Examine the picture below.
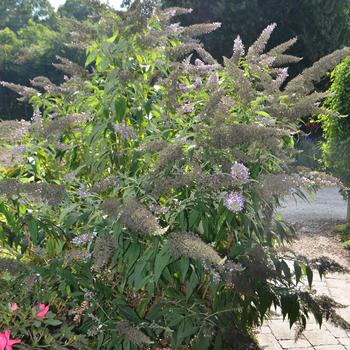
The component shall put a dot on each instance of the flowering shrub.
(142, 212)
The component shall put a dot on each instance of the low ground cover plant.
(142, 213)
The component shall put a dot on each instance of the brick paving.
(275, 334)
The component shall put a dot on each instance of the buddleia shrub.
(147, 193)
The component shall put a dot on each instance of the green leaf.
(290, 306)
(142, 307)
(128, 313)
(67, 210)
(131, 256)
(91, 57)
(120, 108)
(155, 312)
(193, 218)
(182, 267)
(37, 323)
(297, 270)
(100, 340)
(201, 343)
(163, 258)
(309, 275)
(52, 322)
(286, 270)
(192, 284)
(221, 221)
(218, 342)
(33, 230)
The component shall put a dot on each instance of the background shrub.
(337, 130)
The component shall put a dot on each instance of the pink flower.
(5, 342)
(43, 311)
(13, 307)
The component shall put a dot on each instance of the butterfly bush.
(143, 209)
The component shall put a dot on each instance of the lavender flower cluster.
(238, 46)
(105, 246)
(125, 132)
(84, 238)
(133, 334)
(234, 202)
(240, 173)
(187, 244)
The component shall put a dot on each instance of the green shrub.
(337, 129)
(144, 203)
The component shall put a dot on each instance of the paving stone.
(345, 313)
(322, 290)
(268, 342)
(340, 296)
(281, 330)
(344, 341)
(291, 344)
(317, 278)
(336, 331)
(265, 330)
(320, 337)
(312, 326)
(276, 334)
(276, 313)
(342, 284)
(330, 347)
(338, 276)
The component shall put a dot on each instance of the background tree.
(28, 32)
(336, 148)
(15, 14)
(80, 10)
(321, 25)
(27, 53)
(31, 36)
